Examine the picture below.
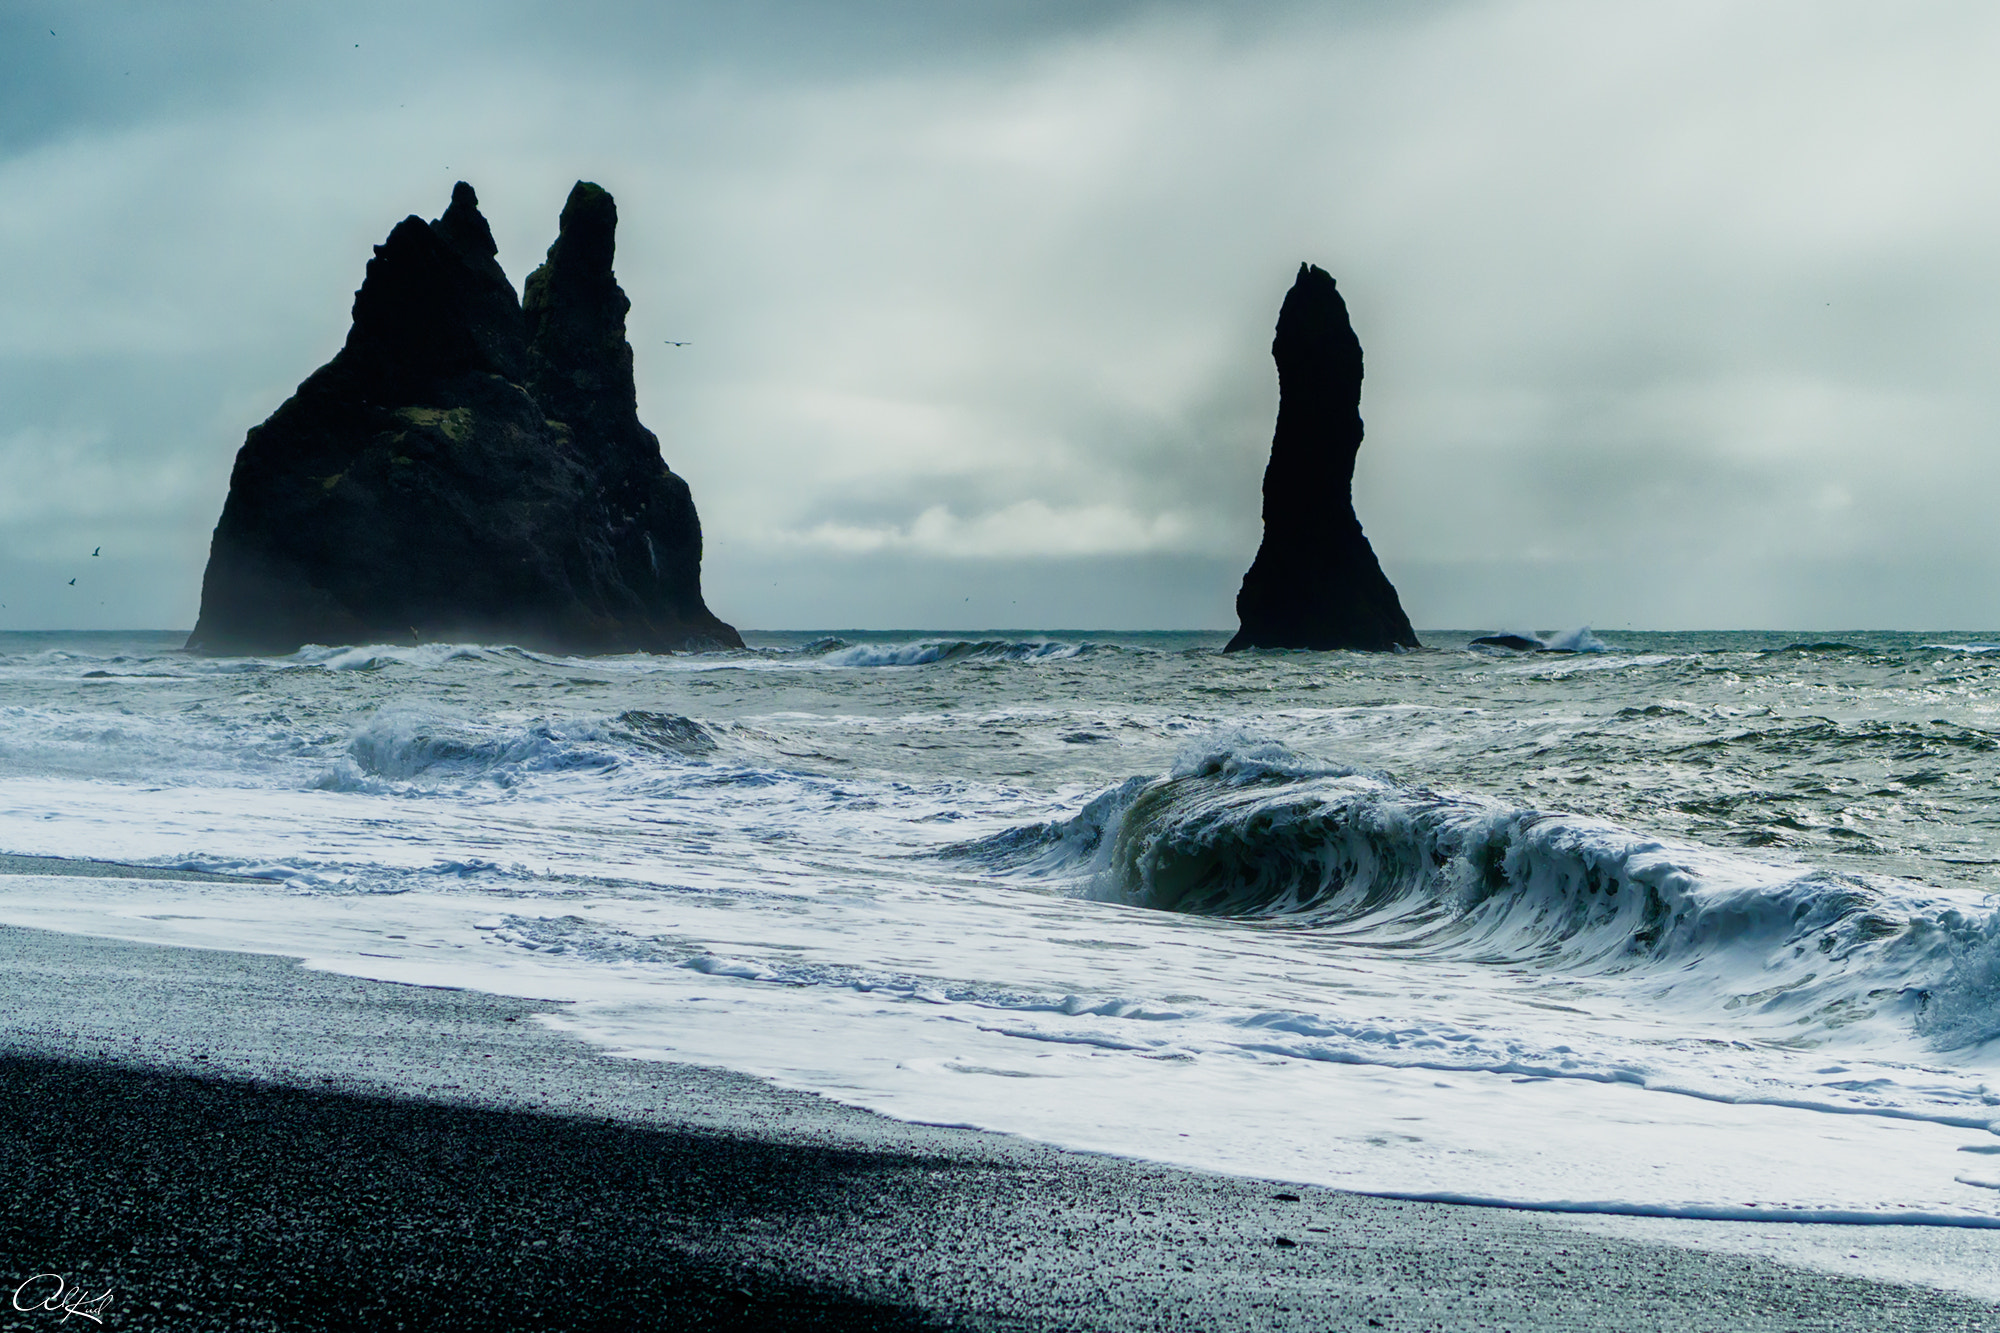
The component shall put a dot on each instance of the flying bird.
(671, 343)
(72, 583)
(93, 553)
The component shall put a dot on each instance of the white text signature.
(52, 1292)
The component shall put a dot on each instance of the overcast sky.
(1675, 315)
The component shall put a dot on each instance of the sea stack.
(465, 468)
(1315, 582)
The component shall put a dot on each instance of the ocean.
(1686, 925)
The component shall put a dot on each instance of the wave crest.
(1261, 834)
(398, 749)
(923, 652)
(404, 749)
(376, 657)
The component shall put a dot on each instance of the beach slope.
(233, 1140)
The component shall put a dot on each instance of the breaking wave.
(923, 652)
(375, 657)
(1578, 640)
(1259, 833)
(397, 749)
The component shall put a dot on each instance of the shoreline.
(251, 1143)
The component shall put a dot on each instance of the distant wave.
(374, 657)
(407, 748)
(923, 652)
(400, 749)
(1578, 640)
(1820, 646)
(427, 656)
(828, 650)
(1258, 832)
(1894, 740)
(669, 733)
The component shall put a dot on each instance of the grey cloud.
(78, 68)
(1665, 307)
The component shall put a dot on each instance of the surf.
(1257, 833)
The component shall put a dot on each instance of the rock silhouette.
(1315, 582)
(466, 467)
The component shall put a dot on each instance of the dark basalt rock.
(1315, 582)
(464, 468)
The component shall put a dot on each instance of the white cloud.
(1027, 530)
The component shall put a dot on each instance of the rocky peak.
(579, 363)
(464, 227)
(1316, 582)
(434, 302)
(464, 469)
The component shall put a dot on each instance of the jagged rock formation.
(464, 467)
(1315, 582)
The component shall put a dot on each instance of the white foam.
(680, 978)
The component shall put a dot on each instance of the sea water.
(1685, 925)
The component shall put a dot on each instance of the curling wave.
(1260, 833)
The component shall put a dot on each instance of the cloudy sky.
(1676, 315)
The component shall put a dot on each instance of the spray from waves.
(1578, 640)
(923, 652)
(1260, 833)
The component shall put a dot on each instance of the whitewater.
(1678, 925)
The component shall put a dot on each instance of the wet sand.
(229, 1140)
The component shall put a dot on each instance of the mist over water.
(1691, 924)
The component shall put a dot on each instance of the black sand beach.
(232, 1141)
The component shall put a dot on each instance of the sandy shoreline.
(231, 1140)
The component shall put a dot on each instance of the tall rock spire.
(580, 365)
(1315, 582)
(418, 487)
(580, 371)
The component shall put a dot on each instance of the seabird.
(671, 343)
(95, 551)
(72, 583)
